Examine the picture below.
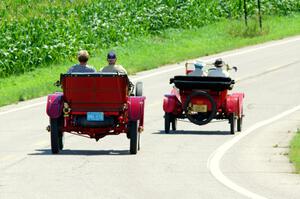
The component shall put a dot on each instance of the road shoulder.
(260, 163)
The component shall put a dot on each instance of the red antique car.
(201, 99)
(95, 105)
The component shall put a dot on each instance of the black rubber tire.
(240, 122)
(213, 106)
(56, 136)
(232, 121)
(139, 141)
(61, 140)
(174, 123)
(167, 122)
(139, 89)
(134, 137)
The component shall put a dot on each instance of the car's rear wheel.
(170, 119)
(139, 140)
(61, 140)
(240, 123)
(232, 121)
(139, 89)
(174, 123)
(134, 137)
(56, 135)
(167, 122)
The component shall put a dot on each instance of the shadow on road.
(182, 132)
(81, 152)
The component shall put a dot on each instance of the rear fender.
(136, 106)
(171, 104)
(54, 105)
(240, 97)
(234, 103)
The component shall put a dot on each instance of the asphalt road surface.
(182, 164)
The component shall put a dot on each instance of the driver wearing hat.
(112, 67)
(218, 71)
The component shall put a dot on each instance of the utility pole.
(259, 15)
(245, 12)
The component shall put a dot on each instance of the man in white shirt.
(198, 70)
(218, 71)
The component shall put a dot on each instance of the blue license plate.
(95, 116)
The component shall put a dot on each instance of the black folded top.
(195, 82)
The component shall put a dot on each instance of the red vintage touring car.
(201, 99)
(95, 105)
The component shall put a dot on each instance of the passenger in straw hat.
(219, 70)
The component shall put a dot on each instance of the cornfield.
(36, 33)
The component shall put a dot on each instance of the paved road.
(168, 166)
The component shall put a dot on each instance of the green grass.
(148, 52)
(294, 153)
(37, 33)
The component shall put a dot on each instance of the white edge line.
(215, 158)
(175, 68)
(22, 108)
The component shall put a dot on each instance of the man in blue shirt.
(82, 67)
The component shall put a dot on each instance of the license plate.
(199, 108)
(95, 116)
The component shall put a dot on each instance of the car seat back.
(95, 91)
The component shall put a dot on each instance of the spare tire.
(200, 119)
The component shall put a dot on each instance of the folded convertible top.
(195, 82)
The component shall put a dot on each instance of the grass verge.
(294, 153)
(149, 52)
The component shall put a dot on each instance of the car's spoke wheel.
(56, 136)
(240, 123)
(167, 122)
(139, 140)
(174, 123)
(61, 140)
(232, 121)
(134, 137)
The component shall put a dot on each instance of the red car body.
(96, 105)
(206, 98)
